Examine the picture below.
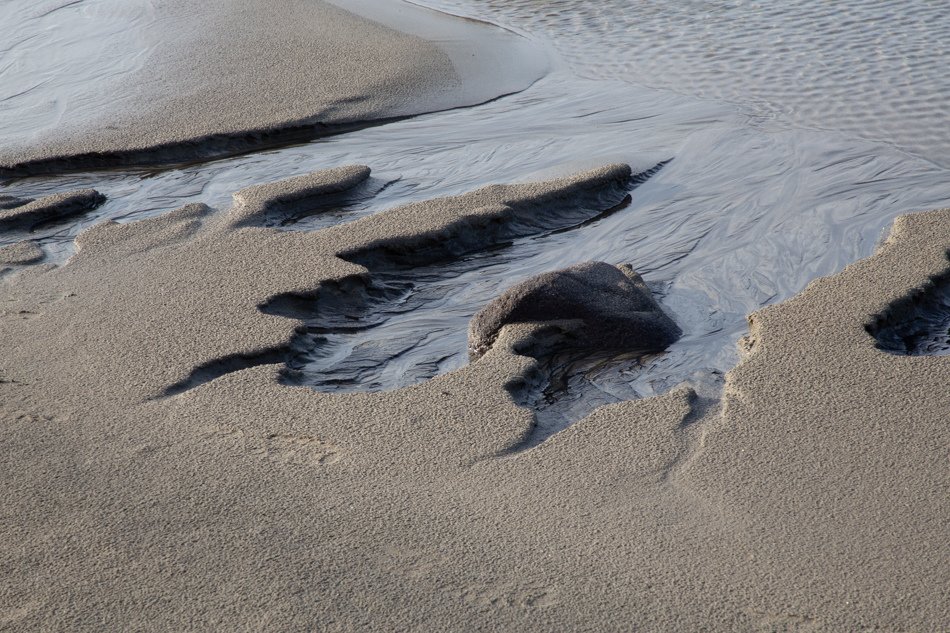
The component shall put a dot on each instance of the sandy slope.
(815, 499)
(225, 76)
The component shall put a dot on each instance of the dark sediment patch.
(917, 324)
(49, 208)
(566, 385)
(605, 307)
(9, 202)
(592, 319)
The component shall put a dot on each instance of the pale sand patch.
(814, 500)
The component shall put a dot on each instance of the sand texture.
(255, 203)
(21, 253)
(226, 76)
(813, 498)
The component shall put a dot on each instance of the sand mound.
(611, 306)
(225, 76)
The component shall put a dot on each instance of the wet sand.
(812, 497)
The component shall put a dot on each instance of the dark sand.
(29, 213)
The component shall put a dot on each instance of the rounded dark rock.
(604, 307)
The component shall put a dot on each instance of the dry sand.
(226, 76)
(21, 253)
(815, 499)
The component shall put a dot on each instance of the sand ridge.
(28, 213)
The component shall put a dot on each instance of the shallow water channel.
(793, 136)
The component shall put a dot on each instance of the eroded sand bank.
(227, 76)
(814, 497)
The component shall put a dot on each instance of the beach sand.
(815, 496)
(227, 76)
(157, 474)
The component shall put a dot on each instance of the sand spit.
(291, 195)
(55, 207)
(227, 76)
(814, 499)
(21, 253)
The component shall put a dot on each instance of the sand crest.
(253, 203)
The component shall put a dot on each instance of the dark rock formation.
(604, 307)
